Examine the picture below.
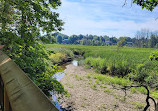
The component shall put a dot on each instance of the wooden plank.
(6, 101)
(1, 94)
(23, 94)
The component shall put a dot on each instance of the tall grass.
(112, 80)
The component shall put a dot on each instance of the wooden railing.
(18, 92)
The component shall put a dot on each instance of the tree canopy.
(21, 25)
(148, 4)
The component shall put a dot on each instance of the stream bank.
(59, 76)
(86, 94)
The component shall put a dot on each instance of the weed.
(102, 107)
(83, 105)
(107, 90)
(140, 89)
(69, 85)
(88, 76)
(67, 95)
(103, 86)
(97, 81)
(138, 105)
(154, 94)
(84, 98)
(94, 87)
(78, 77)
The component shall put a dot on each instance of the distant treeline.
(143, 39)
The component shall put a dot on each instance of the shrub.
(144, 75)
(98, 63)
(57, 58)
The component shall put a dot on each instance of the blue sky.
(105, 17)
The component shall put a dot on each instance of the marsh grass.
(127, 61)
(138, 89)
(111, 80)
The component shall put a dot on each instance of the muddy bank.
(84, 96)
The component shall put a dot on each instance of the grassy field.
(111, 54)
(135, 55)
(130, 63)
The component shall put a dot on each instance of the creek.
(59, 76)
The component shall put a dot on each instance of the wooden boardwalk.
(19, 93)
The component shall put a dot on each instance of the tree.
(121, 43)
(73, 39)
(59, 39)
(21, 23)
(113, 40)
(148, 4)
(153, 41)
(142, 37)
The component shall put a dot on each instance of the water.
(55, 100)
(75, 62)
(59, 76)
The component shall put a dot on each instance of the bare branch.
(153, 101)
(125, 3)
(125, 88)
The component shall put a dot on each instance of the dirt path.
(86, 95)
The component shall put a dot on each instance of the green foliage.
(148, 4)
(107, 90)
(145, 73)
(143, 39)
(59, 39)
(78, 77)
(139, 89)
(122, 63)
(89, 76)
(68, 52)
(111, 80)
(122, 68)
(94, 87)
(138, 105)
(154, 94)
(154, 56)
(21, 22)
(121, 43)
(60, 55)
(98, 63)
(58, 58)
(130, 63)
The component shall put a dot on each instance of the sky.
(105, 17)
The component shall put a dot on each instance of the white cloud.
(94, 18)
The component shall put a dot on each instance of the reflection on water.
(55, 100)
(75, 62)
(59, 76)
